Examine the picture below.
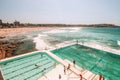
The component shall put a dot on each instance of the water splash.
(118, 42)
(40, 43)
(63, 30)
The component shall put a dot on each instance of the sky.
(61, 11)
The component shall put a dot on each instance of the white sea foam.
(40, 44)
(74, 29)
(118, 42)
(63, 30)
(56, 31)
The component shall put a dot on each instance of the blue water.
(107, 37)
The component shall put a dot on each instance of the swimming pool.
(97, 61)
(30, 67)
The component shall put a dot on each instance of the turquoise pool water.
(23, 68)
(94, 60)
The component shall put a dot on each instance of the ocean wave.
(55, 31)
(118, 42)
(40, 43)
(63, 30)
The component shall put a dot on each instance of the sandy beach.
(12, 31)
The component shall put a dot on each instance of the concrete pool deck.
(54, 74)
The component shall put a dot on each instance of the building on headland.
(0, 23)
(16, 23)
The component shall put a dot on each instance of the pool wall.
(17, 57)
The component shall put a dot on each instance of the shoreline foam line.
(64, 44)
(40, 43)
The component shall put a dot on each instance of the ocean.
(107, 38)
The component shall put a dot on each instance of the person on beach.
(80, 77)
(101, 77)
(64, 70)
(74, 63)
(59, 76)
(68, 67)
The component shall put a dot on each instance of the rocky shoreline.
(11, 43)
(8, 47)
